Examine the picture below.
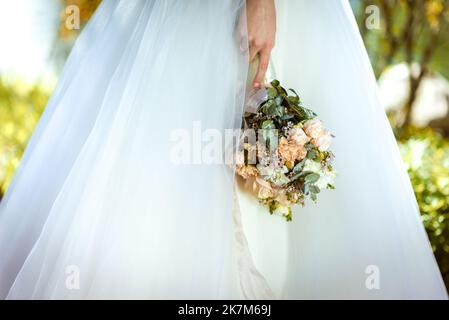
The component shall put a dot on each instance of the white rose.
(326, 177)
(323, 142)
(279, 178)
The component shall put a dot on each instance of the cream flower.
(314, 128)
(299, 136)
(326, 177)
(265, 193)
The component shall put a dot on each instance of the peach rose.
(265, 193)
(290, 150)
(246, 171)
(263, 189)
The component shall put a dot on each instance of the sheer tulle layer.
(97, 189)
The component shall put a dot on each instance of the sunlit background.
(408, 44)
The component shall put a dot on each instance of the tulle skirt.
(99, 209)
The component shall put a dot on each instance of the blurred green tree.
(411, 31)
(21, 107)
(426, 154)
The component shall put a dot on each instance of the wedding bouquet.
(284, 150)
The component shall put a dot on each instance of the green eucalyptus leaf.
(312, 178)
(278, 100)
(314, 189)
(309, 114)
(312, 154)
(301, 174)
(306, 189)
(298, 167)
(268, 124)
(272, 93)
(287, 117)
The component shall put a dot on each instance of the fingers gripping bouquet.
(284, 150)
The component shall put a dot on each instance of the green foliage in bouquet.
(426, 154)
(283, 107)
(292, 160)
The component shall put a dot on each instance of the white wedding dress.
(98, 197)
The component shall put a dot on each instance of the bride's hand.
(261, 18)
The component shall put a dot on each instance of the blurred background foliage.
(408, 44)
(22, 103)
(20, 108)
(411, 31)
(426, 155)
